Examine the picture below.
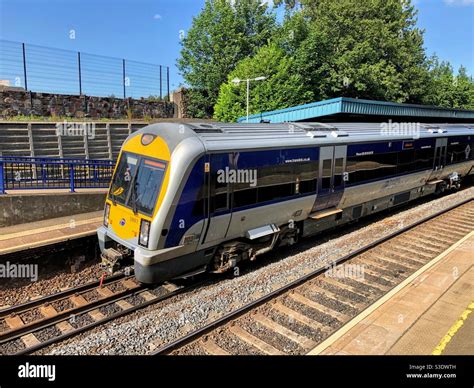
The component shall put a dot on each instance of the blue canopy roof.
(343, 106)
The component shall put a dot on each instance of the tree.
(363, 48)
(446, 89)
(282, 88)
(220, 36)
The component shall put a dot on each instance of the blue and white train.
(187, 198)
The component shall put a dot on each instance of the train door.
(219, 198)
(332, 164)
(440, 154)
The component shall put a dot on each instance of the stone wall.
(191, 103)
(19, 102)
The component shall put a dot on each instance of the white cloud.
(157, 16)
(459, 2)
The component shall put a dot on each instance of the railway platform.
(430, 313)
(47, 232)
(30, 206)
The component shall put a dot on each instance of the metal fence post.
(2, 183)
(24, 66)
(44, 175)
(168, 81)
(79, 71)
(71, 178)
(123, 70)
(161, 85)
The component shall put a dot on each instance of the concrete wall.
(14, 102)
(22, 208)
(42, 139)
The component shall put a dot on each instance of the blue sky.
(146, 30)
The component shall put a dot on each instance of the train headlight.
(144, 233)
(106, 214)
(147, 139)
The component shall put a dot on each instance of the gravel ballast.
(156, 325)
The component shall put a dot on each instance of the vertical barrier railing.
(71, 178)
(23, 173)
(2, 175)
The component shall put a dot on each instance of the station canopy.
(353, 109)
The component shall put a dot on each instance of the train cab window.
(122, 179)
(326, 177)
(147, 185)
(137, 182)
(338, 170)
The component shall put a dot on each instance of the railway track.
(299, 316)
(296, 318)
(34, 325)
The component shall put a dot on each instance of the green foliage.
(282, 88)
(197, 103)
(448, 90)
(368, 49)
(220, 36)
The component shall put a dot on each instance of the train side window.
(269, 193)
(406, 161)
(275, 175)
(369, 167)
(219, 197)
(245, 197)
(220, 202)
(326, 178)
(458, 153)
(198, 208)
(424, 158)
(308, 186)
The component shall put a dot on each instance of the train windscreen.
(137, 183)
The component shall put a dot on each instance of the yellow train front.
(145, 195)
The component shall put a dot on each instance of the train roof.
(226, 136)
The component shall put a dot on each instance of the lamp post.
(237, 81)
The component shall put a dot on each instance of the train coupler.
(111, 260)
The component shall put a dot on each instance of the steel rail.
(198, 333)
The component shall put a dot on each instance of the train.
(186, 198)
